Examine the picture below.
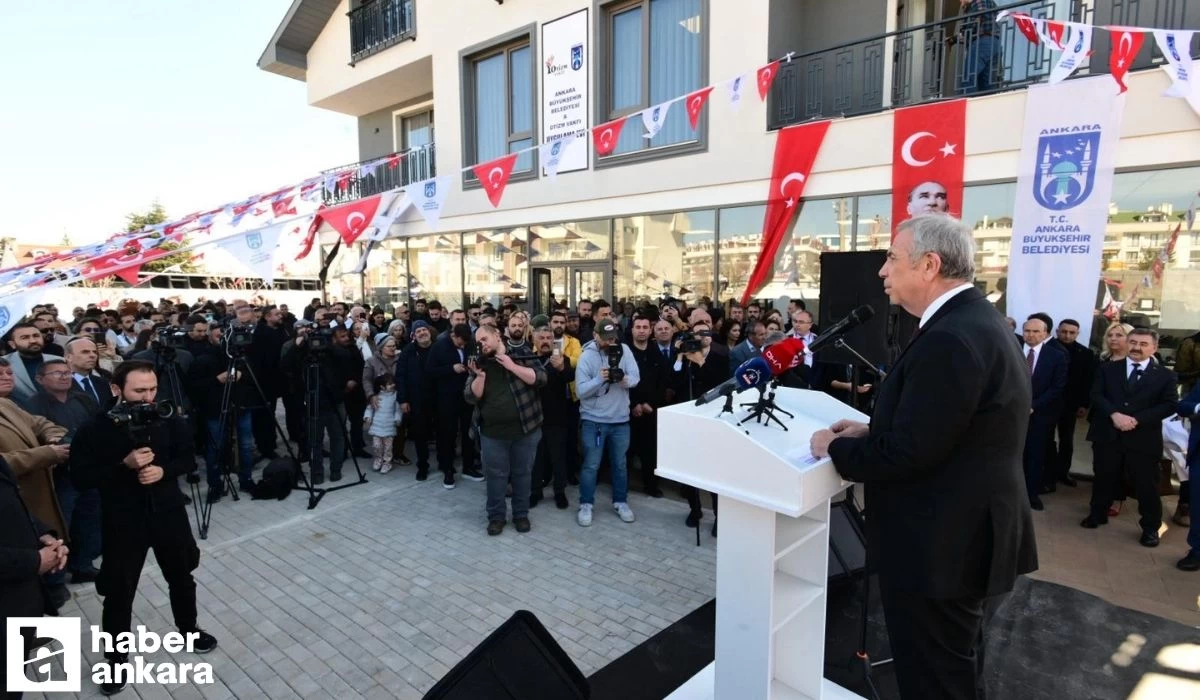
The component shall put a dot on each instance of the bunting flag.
(256, 249)
(311, 236)
(735, 91)
(796, 149)
(429, 197)
(695, 105)
(494, 174)
(283, 207)
(353, 217)
(654, 118)
(551, 153)
(1077, 48)
(765, 77)
(1179, 63)
(606, 135)
(1126, 44)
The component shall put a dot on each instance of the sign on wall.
(565, 86)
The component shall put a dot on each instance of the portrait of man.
(928, 197)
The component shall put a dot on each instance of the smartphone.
(558, 346)
(99, 337)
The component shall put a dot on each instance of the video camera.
(320, 339)
(692, 341)
(139, 416)
(238, 337)
(172, 337)
(614, 353)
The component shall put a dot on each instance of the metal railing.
(378, 24)
(942, 60)
(415, 165)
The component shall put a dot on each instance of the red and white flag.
(494, 174)
(606, 135)
(928, 145)
(766, 76)
(1126, 42)
(796, 149)
(695, 104)
(352, 218)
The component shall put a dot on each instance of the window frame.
(605, 10)
(505, 44)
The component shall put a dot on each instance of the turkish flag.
(352, 218)
(284, 207)
(606, 135)
(695, 104)
(310, 237)
(1054, 32)
(494, 174)
(796, 148)
(766, 76)
(928, 145)
(1027, 25)
(1126, 43)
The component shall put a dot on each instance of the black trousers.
(420, 428)
(295, 416)
(1065, 451)
(454, 423)
(356, 408)
(551, 459)
(574, 462)
(1035, 454)
(1109, 460)
(937, 644)
(125, 546)
(263, 425)
(643, 442)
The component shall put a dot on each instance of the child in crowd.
(381, 419)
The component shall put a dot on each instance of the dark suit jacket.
(1152, 400)
(1187, 408)
(741, 353)
(1049, 382)
(21, 593)
(947, 511)
(1081, 370)
(447, 384)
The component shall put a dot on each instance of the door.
(566, 284)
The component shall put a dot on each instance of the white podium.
(773, 548)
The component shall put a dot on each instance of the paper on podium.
(758, 463)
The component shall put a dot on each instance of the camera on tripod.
(172, 337)
(320, 339)
(614, 353)
(692, 341)
(141, 415)
(238, 337)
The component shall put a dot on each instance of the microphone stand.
(843, 345)
(763, 411)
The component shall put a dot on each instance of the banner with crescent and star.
(928, 145)
(796, 149)
(1064, 186)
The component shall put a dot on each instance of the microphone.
(751, 373)
(784, 355)
(853, 319)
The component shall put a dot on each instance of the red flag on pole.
(928, 143)
(494, 174)
(1126, 43)
(606, 135)
(795, 150)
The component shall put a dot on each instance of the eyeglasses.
(57, 375)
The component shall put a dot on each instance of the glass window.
(582, 240)
(873, 227)
(417, 130)
(435, 265)
(664, 254)
(652, 63)
(496, 265)
(387, 270)
(502, 106)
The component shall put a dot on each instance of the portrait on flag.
(928, 146)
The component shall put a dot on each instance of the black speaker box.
(849, 280)
(519, 660)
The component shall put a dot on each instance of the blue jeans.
(505, 459)
(245, 440)
(81, 513)
(983, 58)
(595, 437)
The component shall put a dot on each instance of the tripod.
(763, 411)
(312, 393)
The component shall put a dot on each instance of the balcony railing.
(415, 165)
(378, 24)
(934, 61)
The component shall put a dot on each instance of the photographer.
(215, 374)
(133, 457)
(698, 369)
(167, 350)
(607, 371)
(504, 388)
(263, 355)
(334, 353)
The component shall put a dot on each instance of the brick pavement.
(382, 588)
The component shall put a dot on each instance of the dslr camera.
(171, 337)
(613, 353)
(139, 416)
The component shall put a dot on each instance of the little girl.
(381, 419)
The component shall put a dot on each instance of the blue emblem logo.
(554, 149)
(1066, 168)
(577, 57)
(431, 189)
(4, 317)
(1171, 46)
(654, 116)
(254, 240)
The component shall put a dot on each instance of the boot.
(1183, 516)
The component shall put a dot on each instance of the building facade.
(451, 84)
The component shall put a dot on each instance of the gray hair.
(773, 337)
(948, 238)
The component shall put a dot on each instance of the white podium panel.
(773, 550)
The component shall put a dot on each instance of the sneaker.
(624, 512)
(116, 686)
(374, 466)
(422, 474)
(495, 527)
(560, 500)
(522, 524)
(585, 515)
(386, 468)
(204, 643)
(448, 481)
(402, 460)
(473, 474)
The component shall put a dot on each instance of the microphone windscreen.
(783, 355)
(752, 373)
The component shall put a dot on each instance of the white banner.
(1077, 46)
(429, 196)
(1064, 185)
(565, 85)
(552, 153)
(654, 118)
(256, 249)
(1175, 46)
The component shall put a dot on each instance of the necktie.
(1029, 360)
(87, 386)
(1135, 375)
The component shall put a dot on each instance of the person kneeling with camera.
(503, 385)
(133, 455)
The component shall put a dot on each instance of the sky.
(108, 106)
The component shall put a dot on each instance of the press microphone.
(751, 373)
(853, 319)
(784, 355)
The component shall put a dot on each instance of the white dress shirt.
(1130, 365)
(808, 340)
(1037, 353)
(941, 301)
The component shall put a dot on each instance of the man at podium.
(948, 521)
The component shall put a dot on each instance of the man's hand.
(636, 412)
(49, 539)
(819, 444)
(1123, 422)
(149, 475)
(351, 385)
(556, 361)
(49, 559)
(505, 361)
(647, 409)
(61, 452)
(1081, 413)
(223, 377)
(850, 428)
(405, 407)
(604, 374)
(139, 458)
(459, 368)
(864, 388)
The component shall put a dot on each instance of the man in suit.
(756, 333)
(1048, 373)
(27, 343)
(1081, 367)
(448, 371)
(948, 521)
(1189, 407)
(1130, 399)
